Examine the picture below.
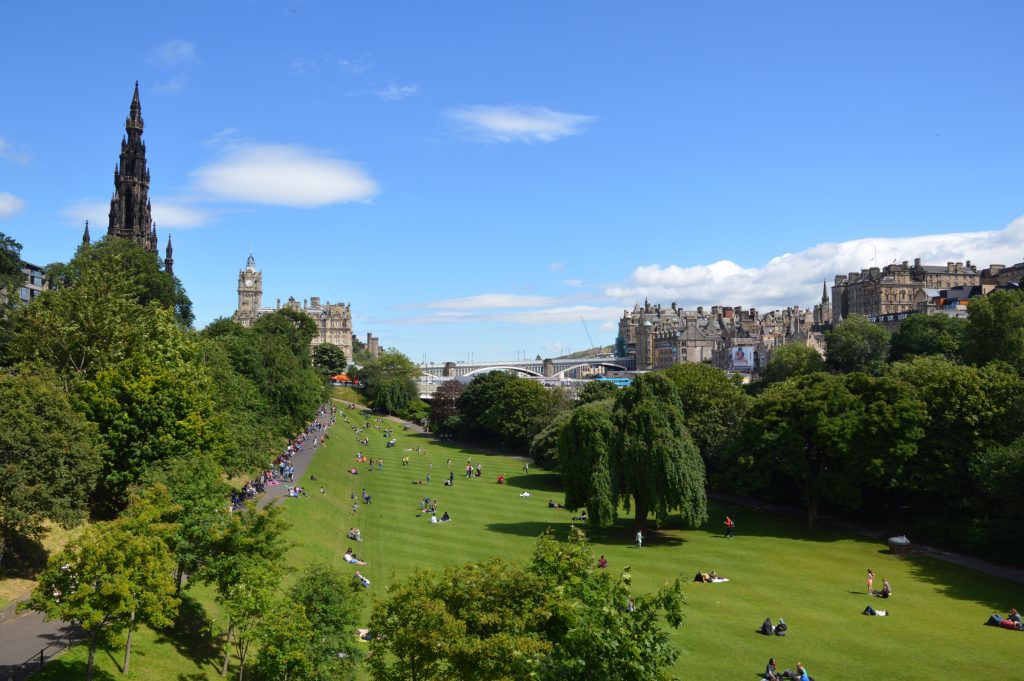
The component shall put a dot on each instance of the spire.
(169, 260)
(85, 235)
(135, 111)
(250, 264)
(131, 215)
(824, 291)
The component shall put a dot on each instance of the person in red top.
(729, 525)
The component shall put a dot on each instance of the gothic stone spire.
(85, 235)
(169, 260)
(130, 212)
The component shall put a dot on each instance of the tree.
(250, 546)
(285, 636)
(970, 409)
(444, 404)
(48, 455)
(713, 406)
(928, 334)
(544, 445)
(150, 408)
(996, 329)
(827, 436)
(390, 381)
(656, 463)
(515, 412)
(595, 391)
(198, 491)
(585, 450)
(249, 602)
(332, 602)
(329, 359)
(856, 345)
(559, 618)
(114, 257)
(792, 359)
(108, 578)
(11, 276)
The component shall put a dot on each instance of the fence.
(36, 662)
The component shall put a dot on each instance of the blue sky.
(476, 177)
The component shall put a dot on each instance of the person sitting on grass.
(771, 672)
(582, 517)
(354, 533)
(1014, 616)
(445, 518)
(362, 580)
(602, 562)
(886, 591)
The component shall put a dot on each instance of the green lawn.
(814, 581)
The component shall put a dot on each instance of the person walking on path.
(729, 526)
(639, 539)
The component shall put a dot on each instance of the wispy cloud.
(283, 175)
(173, 86)
(518, 123)
(575, 283)
(556, 266)
(490, 301)
(352, 67)
(394, 93)
(167, 213)
(10, 204)
(796, 278)
(10, 153)
(173, 53)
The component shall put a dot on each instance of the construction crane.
(588, 331)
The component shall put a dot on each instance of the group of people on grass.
(1011, 621)
(884, 592)
(771, 672)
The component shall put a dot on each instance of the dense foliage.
(556, 619)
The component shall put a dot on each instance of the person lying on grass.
(351, 558)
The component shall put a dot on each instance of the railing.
(36, 662)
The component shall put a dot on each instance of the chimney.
(278, 306)
(917, 262)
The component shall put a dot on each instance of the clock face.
(248, 282)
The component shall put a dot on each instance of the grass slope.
(814, 581)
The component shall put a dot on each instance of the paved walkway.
(23, 637)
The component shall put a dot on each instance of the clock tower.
(250, 293)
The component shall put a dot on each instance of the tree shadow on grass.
(606, 535)
(540, 482)
(61, 670)
(992, 594)
(23, 558)
(190, 634)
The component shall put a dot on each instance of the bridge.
(553, 369)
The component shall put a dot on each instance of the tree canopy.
(856, 345)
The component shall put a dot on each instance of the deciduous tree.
(928, 334)
(656, 465)
(792, 359)
(856, 345)
(49, 458)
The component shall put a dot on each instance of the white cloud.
(556, 266)
(178, 215)
(796, 278)
(352, 67)
(175, 85)
(8, 152)
(394, 93)
(283, 175)
(575, 283)
(173, 53)
(165, 214)
(518, 123)
(10, 204)
(96, 212)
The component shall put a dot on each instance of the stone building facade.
(896, 288)
(333, 321)
(731, 338)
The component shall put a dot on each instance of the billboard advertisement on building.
(741, 358)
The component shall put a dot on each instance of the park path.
(23, 636)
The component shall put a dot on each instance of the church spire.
(130, 212)
(824, 291)
(169, 260)
(85, 235)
